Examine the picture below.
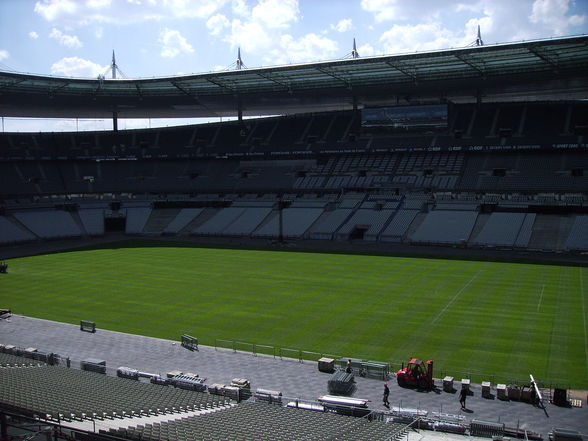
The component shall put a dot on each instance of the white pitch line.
(540, 297)
(438, 316)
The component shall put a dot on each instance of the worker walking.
(462, 397)
(386, 395)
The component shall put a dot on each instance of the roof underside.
(540, 70)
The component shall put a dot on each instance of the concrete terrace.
(292, 378)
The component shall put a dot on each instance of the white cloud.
(54, 10)
(258, 30)
(500, 21)
(261, 31)
(240, 7)
(429, 10)
(276, 13)
(310, 47)
(97, 4)
(191, 8)
(577, 20)
(382, 9)
(33, 35)
(70, 41)
(343, 25)
(173, 43)
(250, 36)
(505, 21)
(99, 32)
(217, 23)
(4, 54)
(420, 37)
(468, 7)
(78, 13)
(553, 14)
(77, 67)
(366, 50)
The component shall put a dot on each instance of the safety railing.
(301, 356)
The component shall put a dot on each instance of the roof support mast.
(354, 53)
(479, 41)
(114, 67)
(239, 65)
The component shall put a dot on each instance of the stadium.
(261, 278)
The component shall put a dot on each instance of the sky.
(154, 38)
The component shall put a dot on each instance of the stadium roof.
(553, 69)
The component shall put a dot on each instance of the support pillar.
(281, 232)
(240, 110)
(3, 426)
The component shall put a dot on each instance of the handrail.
(404, 429)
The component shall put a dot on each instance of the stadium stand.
(295, 223)
(9, 360)
(550, 232)
(60, 393)
(137, 219)
(521, 161)
(10, 232)
(446, 227)
(397, 228)
(456, 205)
(49, 224)
(501, 229)
(329, 223)
(578, 238)
(366, 222)
(93, 221)
(159, 219)
(525, 231)
(219, 222)
(247, 222)
(181, 220)
(248, 421)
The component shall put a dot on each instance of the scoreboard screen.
(406, 118)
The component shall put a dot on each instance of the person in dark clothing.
(349, 369)
(386, 395)
(462, 397)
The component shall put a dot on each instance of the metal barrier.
(311, 356)
(374, 369)
(87, 326)
(486, 428)
(368, 368)
(290, 353)
(189, 342)
(264, 350)
(224, 344)
(240, 346)
(403, 431)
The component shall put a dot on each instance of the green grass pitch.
(506, 319)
